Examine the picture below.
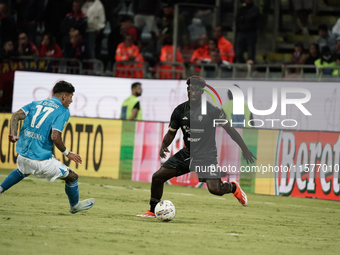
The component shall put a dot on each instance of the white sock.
(1, 189)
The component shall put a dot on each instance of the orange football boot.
(148, 214)
(240, 195)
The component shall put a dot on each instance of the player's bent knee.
(163, 174)
(156, 177)
(72, 176)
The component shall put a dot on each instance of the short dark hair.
(316, 47)
(50, 37)
(22, 32)
(214, 40)
(134, 85)
(219, 26)
(323, 27)
(325, 49)
(6, 40)
(125, 18)
(299, 44)
(196, 80)
(63, 87)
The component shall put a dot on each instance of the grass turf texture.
(34, 219)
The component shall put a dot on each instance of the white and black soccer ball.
(165, 210)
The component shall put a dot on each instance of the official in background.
(131, 108)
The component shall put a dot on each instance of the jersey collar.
(57, 100)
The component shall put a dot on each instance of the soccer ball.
(165, 210)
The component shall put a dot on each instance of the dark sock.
(233, 187)
(153, 203)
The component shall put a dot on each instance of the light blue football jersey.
(35, 135)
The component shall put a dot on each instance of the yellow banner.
(97, 141)
(7, 150)
(266, 153)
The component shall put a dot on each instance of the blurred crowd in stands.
(141, 33)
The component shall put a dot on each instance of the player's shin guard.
(72, 192)
(153, 203)
(13, 178)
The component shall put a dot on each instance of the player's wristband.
(66, 152)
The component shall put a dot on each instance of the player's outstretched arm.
(247, 154)
(56, 138)
(16, 117)
(167, 140)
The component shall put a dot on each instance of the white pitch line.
(176, 193)
(132, 230)
(30, 226)
(63, 227)
(182, 194)
(112, 187)
(235, 234)
(219, 198)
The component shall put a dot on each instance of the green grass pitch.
(34, 219)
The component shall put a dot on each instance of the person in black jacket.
(145, 14)
(28, 14)
(76, 48)
(7, 52)
(313, 55)
(7, 25)
(247, 21)
(75, 20)
(54, 14)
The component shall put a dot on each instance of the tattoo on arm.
(56, 138)
(16, 117)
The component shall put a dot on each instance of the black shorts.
(205, 167)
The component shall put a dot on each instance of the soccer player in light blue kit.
(44, 122)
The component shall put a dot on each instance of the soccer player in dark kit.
(200, 152)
